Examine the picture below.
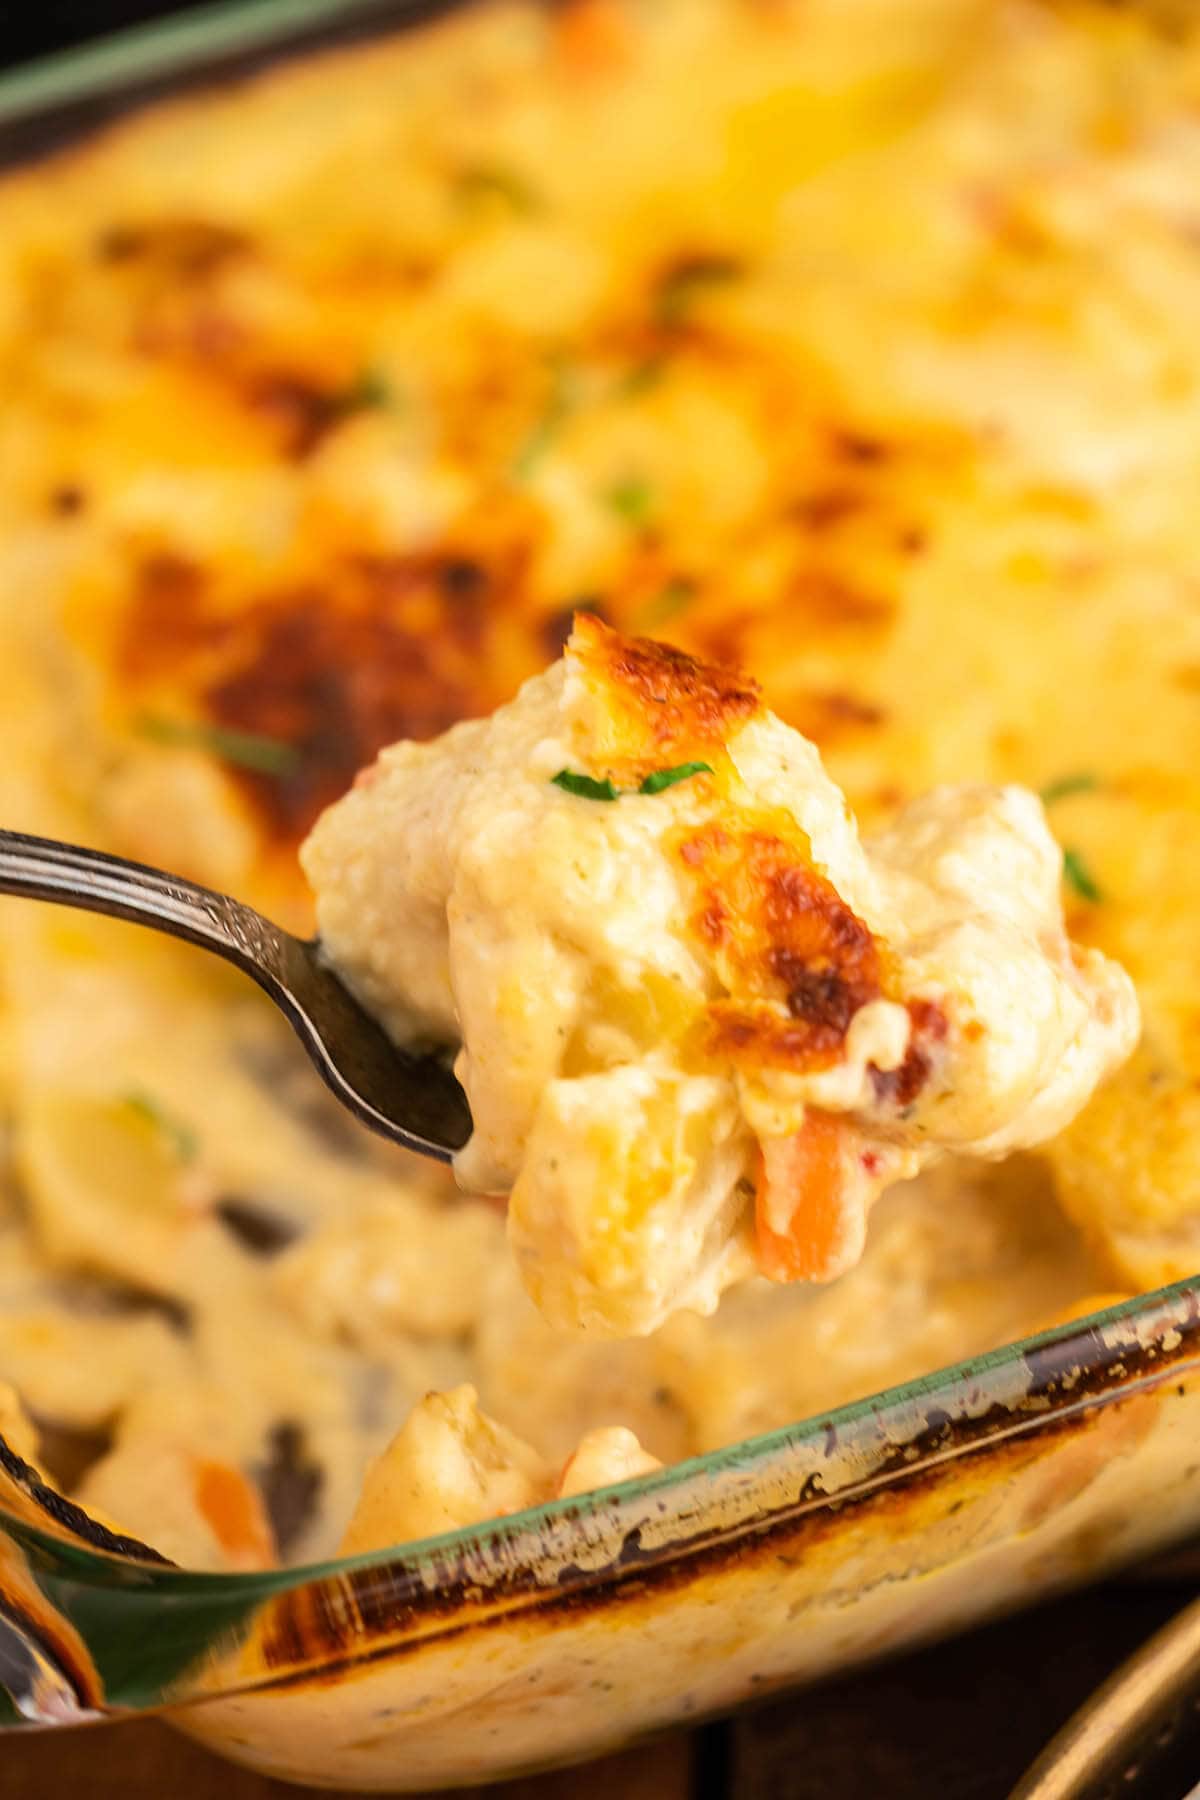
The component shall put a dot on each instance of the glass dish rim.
(171, 54)
(181, 47)
(746, 1457)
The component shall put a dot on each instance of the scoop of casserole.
(702, 1024)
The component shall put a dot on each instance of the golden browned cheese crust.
(862, 356)
(778, 931)
(775, 928)
(663, 706)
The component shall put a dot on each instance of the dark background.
(37, 27)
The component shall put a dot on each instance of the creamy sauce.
(659, 992)
(865, 358)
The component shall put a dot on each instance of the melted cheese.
(864, 358)
(659, 992)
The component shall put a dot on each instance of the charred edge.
(556, 628)
(818, 955)
(186, 247)
(821, 996)
(338, 682)
(71, 1517)
(788, 1537)
(682, 698)
(900, 1086)
(385, 1601)
(861, 448)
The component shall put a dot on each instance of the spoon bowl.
(408, 1097)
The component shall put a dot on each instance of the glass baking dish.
(573, 1628)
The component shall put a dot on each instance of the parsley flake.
(686, 282)
(556, 408)
(640, 377)
(665, 778)
(1077, 875)
(585, 786)
(672, 599)
(480, 184)
(588, 788)
(632, 500)
(244, 749)
(1066, 785)
(181, 1137)
(368, 391)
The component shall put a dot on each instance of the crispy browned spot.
(899, 1087)
(798, 963)
(375, 650)
(182, 246)
(336, 684)
(168, 619)
(666, 706)
(67, 500)
(829, 506)
(301, 410)
(824, 597)
(861, 448)
(828, 717)
(813, 603)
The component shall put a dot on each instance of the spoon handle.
(42, 869)
(412, 1099)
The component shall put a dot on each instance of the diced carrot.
(810, 1170)
(232, 1506)
(593, 35)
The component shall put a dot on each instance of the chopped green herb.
(681, 286)
(665, 778)
(667, 604)
(1067, 785)
(558, 403)
(632, 500)
(585, 786)
(368, 390)
(244, 749)
(1078, 876)
(479, 184)
(181, 1137)
(588, 788)
(640, 377)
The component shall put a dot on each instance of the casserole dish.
(573, 1628)
(579, 1626)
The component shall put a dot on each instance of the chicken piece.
(198, 1509)
(449, 1465)
(702, 1024)
(603, 1458)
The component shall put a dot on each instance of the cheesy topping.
(864, 358)
(678, 977)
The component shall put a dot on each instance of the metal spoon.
(412, 1099)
